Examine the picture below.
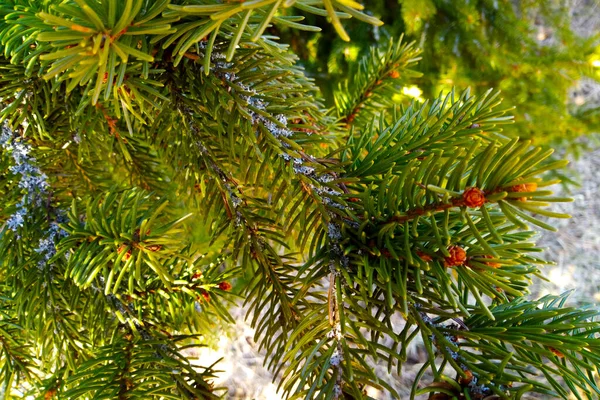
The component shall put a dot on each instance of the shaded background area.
(535, 51)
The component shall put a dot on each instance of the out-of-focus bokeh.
(543, 55)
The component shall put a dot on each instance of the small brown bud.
(491, 263)
(524, 188)
(50, 394)
(473, 197)
(424, 256)
(467, 379)
(197, 275)
(394, 74)
(154, 247)
(205, 296)
(556, 352)
(458, 256)
(439, 396)
(225, 286)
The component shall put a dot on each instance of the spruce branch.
(131, 368)
(369, 90)
(16, 358)
(564, 341)
(307, 169)
(251, 19)
(423, 212)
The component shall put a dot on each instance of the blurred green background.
(543, 55)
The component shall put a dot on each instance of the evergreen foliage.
(157, 152)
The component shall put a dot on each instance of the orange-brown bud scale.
(197, 275)
(491, 263)
(524, 188)
(424, 256)
(225, 286)
(127, 255)
(467, 379)
(50, 394)
(394, 74)
(154, 247)
(556, 352)
(473, 197)
(205, 295)
(457, 256)
(83, 29)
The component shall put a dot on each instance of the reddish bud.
(467, 379)
(556, 352)
(524, 188)
(50, 394)
(473, 197)
(424, 256)
(491, 263)
(197, 275)
(154, 247)
(458, 256)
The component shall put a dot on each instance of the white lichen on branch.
(33, 183)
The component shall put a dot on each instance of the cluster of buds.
(204, 294)
(457, 256)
